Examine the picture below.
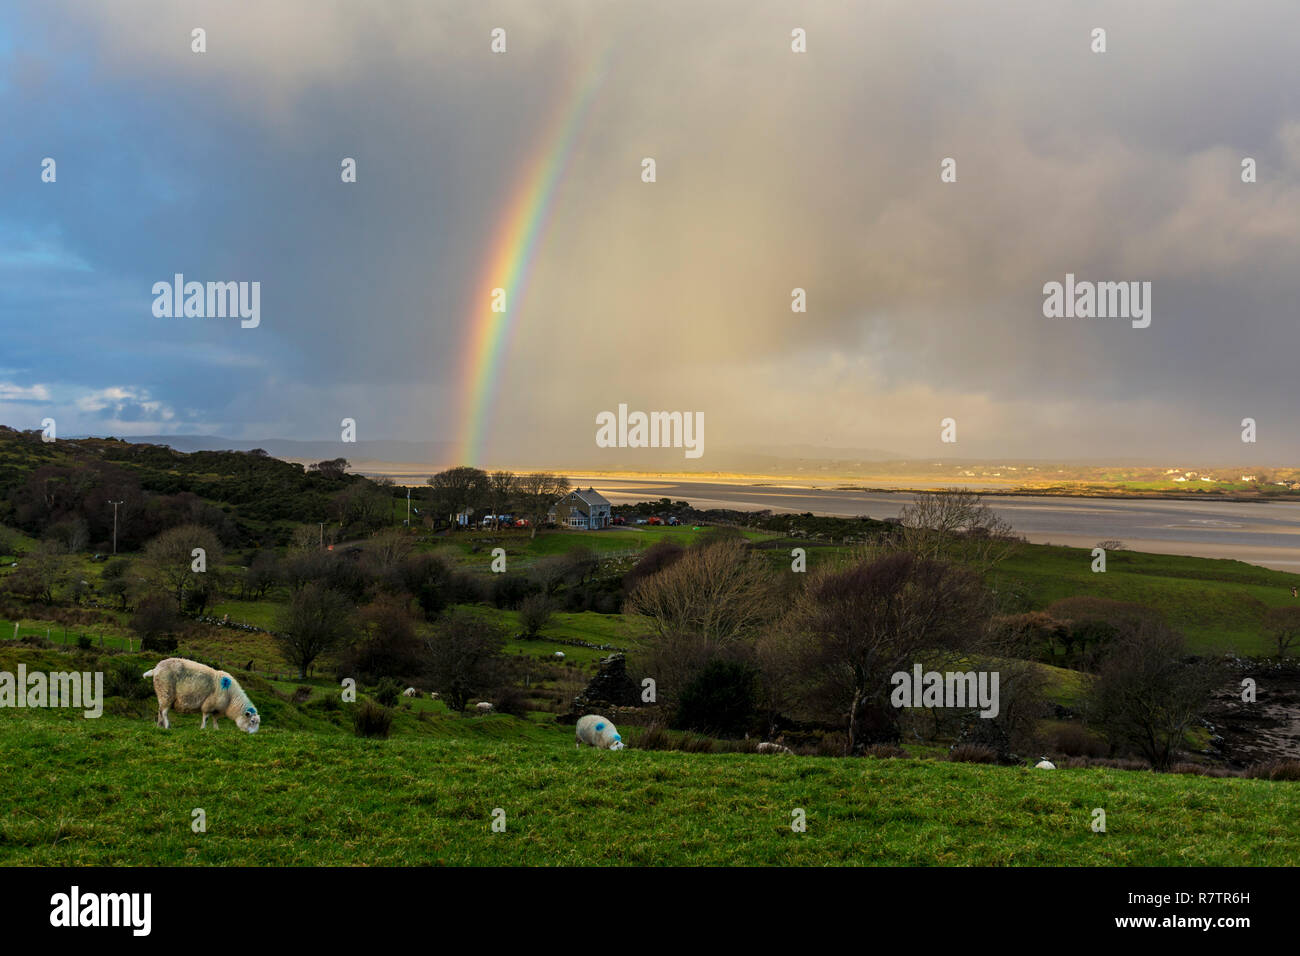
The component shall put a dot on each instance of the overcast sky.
(775, 170)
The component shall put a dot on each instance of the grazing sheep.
(190, 687)
(1044, 764)
(410, 692)
(559, 655)
(770, 748)
(433, 695)
(483, 707)
(596, 731)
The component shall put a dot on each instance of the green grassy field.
(118, 791)
(1218, 604)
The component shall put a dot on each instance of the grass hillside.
(118, 791)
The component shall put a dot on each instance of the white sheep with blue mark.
(189, 687)
(597, 731)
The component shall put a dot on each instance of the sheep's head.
(249, 721)
(617, 743)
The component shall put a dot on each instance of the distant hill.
(379, 450)
(245, 497)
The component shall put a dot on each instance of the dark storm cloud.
(775, 171)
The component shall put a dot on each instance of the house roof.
(591, 496)
(583, 501)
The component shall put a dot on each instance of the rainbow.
(510, 258)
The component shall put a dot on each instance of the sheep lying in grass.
(596, 731)
(1044, 764)
(190, 687)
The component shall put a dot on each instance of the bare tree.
(170, 557)
(1283, 625)
(363, 503)
(537, 492)
(501, 490)
(723, 592)
(40, 572)
(260, 575)
(534, 614)
(852, 629)
(389, 549)
(465, 658)
(458, 489)
(305, 537)
(956, 525)
(1147, 693)
(315, 620)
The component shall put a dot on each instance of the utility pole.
(408, 506)
(115, 504)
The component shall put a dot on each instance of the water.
(1264, 533)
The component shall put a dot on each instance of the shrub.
(886, 752)
(508, 590)
(155, 617)
(124, 679)
(83, 642)
(747, 745)
(534, 614)
(692, 744)
(1073, 741)
(390, 645)
(330, 702)
(722, 699)
(162, 643)
(653, 737)
(832, 745)
(1110, 763)
(972, 753)
(1274, 770)
(512, 701)
(301, 694)
(388, 691)
(464, 588)
(1201, 770)
(1093, 625)
(656, 557)
(372, 720)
